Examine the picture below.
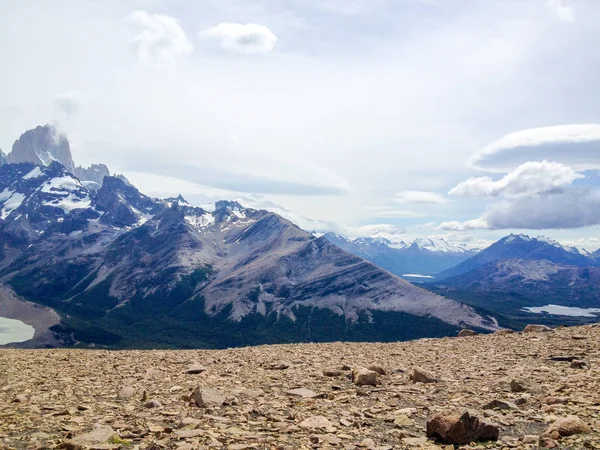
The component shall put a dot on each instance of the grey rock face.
(2, 158)
(94, 173)
(42, 146)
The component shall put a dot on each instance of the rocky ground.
(527, 390)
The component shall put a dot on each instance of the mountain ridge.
(426, 256)
(107, 259)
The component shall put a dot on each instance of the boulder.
(533, 328)
(460, 428)
(365, 377)
(153, 404)
(500, 404)
(504, 332)
(196, 368)
(21, 398)
(278, 365)
(316, 422)
(304, 393)
(465, 332)
(375, 368)
(519, 385)
(207, 397)
(578, 364)
(567, 426)
(423, 376)
(98, 436)
(126, 392)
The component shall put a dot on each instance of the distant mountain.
(519, 246)
(125, 270)
(3, 159)
(424, 256)
(505, 287)
(45, 144)
(540, 281)
(42, 146)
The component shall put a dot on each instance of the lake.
(416, 275)
(12, 330)
(564, 310)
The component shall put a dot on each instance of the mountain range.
(519, 272)
(126, 270)
(423, 256)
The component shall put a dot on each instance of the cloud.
(572, 208)
(419, 197)
(575, 145)
(562, 9)
(384, 230)
(527, 179)
(69, 103)
(242, 38)
(473, 224)
(161, 39)
(576, 207)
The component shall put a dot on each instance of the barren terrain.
(528, 385)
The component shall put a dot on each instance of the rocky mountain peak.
(123, 204)
(41, 146)
(2, 158)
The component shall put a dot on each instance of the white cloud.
(576, 145)
(161, 39)
(473, 224)
(566, 209)
(384, 230)
(69, 103)
(419, 197)
(571, 208)
(562, 9)
(242, 38)
(527, 179)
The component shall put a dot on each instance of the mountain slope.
(124, 269)
(520, 247)
(426, 256)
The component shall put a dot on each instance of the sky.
(460, 119)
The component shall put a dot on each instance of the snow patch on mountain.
(11, 203)
(35, 173)
(200, 220)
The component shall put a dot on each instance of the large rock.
(126, 392)
(532, 328)
(567, 426)
(207, 397)
(504, 332)
(365, 377)
(316, 422)
(460, 428)
(304, 393)
(196, 368)
(465, 332)
(375, 368)
(101, 434)
(521, 385)
(423, 376)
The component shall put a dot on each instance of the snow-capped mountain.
(44, 145)
(520, 246)
(122, 268)
(425, 256)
